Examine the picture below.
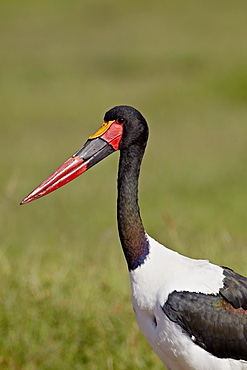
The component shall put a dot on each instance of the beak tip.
(29, 198)
(24, 201)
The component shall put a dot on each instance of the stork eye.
(121, 120)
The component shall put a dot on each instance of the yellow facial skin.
(102, 129)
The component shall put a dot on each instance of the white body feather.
(163, 272)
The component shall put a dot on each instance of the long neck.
(131, 230)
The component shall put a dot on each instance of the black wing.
(234, 289)
(217, 323)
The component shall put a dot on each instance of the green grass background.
(65, 296)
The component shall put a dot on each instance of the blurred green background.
(65, 295)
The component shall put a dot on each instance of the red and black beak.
(98, 146)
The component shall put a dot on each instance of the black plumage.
(234, 289)
(217, 323)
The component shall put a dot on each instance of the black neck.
(131, 230)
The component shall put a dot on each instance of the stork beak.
(98, 146)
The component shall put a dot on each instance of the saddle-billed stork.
(193, 313)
